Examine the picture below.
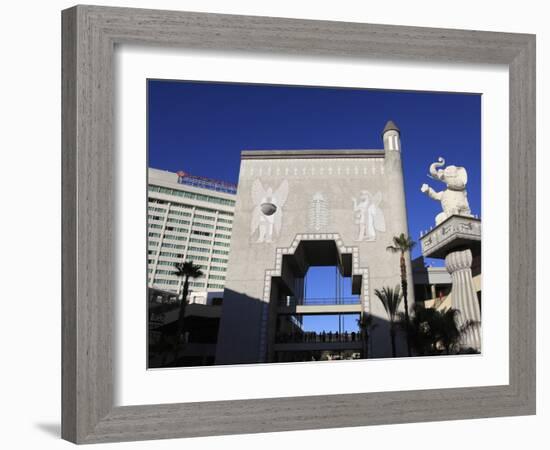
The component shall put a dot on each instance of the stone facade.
(300, 208)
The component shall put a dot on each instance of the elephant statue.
(454, 200)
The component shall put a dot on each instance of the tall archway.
(285, 279)
(344, 203)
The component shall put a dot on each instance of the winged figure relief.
(267, 216)
(368, 215)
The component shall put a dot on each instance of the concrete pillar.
(464, 298)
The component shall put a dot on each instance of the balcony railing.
(318, 337)
(293, 301)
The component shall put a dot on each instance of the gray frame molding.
(89, 36)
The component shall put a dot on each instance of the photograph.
(294, 224)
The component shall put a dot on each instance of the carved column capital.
(459, 260)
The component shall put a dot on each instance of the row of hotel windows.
(153, 244)
(175, 237)
(195, 241)
(182, 222)
(185, 230)
(159, 210)
(189, 257)
(192, 195)
(166, 244)
(173, 272)
(204, 250)
(175, 212)
(195, 258)
(191, 249)
(201, 217)
(201, 233)
(172, 275)
(187, 214)
(191, 284)
(175, 208)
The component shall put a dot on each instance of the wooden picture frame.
(90, 34)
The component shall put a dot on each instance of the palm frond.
(401, 243)
(366, 322)
(390, 299)
(188, 269)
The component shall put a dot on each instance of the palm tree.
(450, 333)
(365, 323)
(403, 244)
(185, 270)
(431, 329)
(391, 299)
(421, 329)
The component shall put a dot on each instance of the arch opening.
(314, 304)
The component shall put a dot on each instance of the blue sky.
(201, 128)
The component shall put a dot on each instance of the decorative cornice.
(312, 154)
(449, 233)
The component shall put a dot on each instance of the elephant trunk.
(434, 166)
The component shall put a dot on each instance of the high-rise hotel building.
(189, 219)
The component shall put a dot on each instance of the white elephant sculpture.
(454, 200)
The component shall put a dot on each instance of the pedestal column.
(464, 297)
